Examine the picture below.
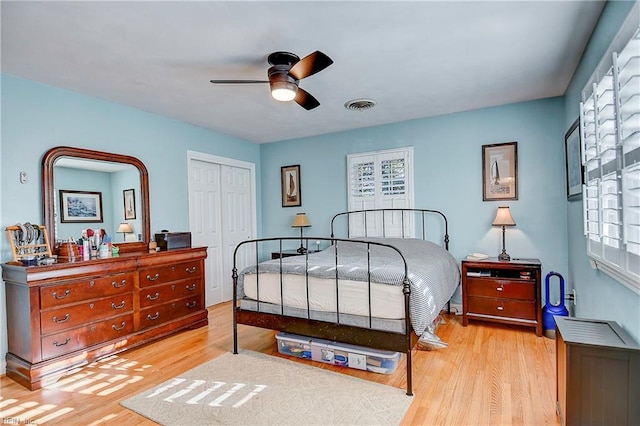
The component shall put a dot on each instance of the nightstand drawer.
(501, 288)
(502, 308)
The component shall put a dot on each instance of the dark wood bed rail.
(384, 340)
(403, 212)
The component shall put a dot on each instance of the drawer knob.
(192, 305)
(153, 278)
(62, 296)
(191, 270)
(154, 297)
(500, 288)
(154, 317)
(55, 342)
(61, 320)
(116, 328)
(500, 308)
(120, 306)
(122, 284)
(191, 287)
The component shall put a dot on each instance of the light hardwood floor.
(489, 375)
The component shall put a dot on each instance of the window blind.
(610, 133)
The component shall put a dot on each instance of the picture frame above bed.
(290, 181)
(500, 171)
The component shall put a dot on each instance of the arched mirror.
(85, 189)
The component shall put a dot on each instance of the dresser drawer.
(501, 288)
(502, 307)
(83, 337)
(71, 316)
(156, 315)
(159, 294)
(86, 289)
(165, 274)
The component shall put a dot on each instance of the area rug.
(251, 388)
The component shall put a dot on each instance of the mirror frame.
(48, 190)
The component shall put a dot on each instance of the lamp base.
(301, 250)
(504, 257)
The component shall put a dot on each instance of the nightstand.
(499, 291)
(289, 253)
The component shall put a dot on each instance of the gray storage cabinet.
(597, 374)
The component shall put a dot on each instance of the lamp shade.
(503, 217)
(300, 221)
(125, 228)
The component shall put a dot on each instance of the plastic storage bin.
(361, 358)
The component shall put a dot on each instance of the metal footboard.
(334, 331)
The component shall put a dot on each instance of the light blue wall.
(37, 117)
(599, 296)
(448, 170)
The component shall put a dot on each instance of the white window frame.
(380, 191)
(610, 137)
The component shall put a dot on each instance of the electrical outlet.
(574, 297)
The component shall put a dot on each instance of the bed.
(380, 287)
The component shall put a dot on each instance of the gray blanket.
(433, 271)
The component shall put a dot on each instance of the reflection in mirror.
(84, 189)
(90, 194)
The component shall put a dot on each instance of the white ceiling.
(415, 59)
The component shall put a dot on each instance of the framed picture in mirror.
(129, 196)
(80, 206)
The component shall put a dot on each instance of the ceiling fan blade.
(305, 100)
(238, 81)
(310, 64)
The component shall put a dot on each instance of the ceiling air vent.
(359, 104)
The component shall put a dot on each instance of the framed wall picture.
(290, 177)
(500, 171)
(573, 162)
(129, 196)
(80, 206)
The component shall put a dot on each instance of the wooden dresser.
(66, 315)
(502, 291)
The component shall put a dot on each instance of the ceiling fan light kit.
(285, 73)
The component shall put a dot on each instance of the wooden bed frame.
(368, 337)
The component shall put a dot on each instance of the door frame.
(223, 161)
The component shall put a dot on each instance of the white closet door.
(205, 223)
(222, 214)
(236, 221)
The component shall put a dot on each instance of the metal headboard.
(421, 212)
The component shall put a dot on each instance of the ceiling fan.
(285, 73)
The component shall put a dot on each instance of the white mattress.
(387, 301)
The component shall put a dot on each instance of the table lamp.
(301, 221)
(124, 228)
(503, 218)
